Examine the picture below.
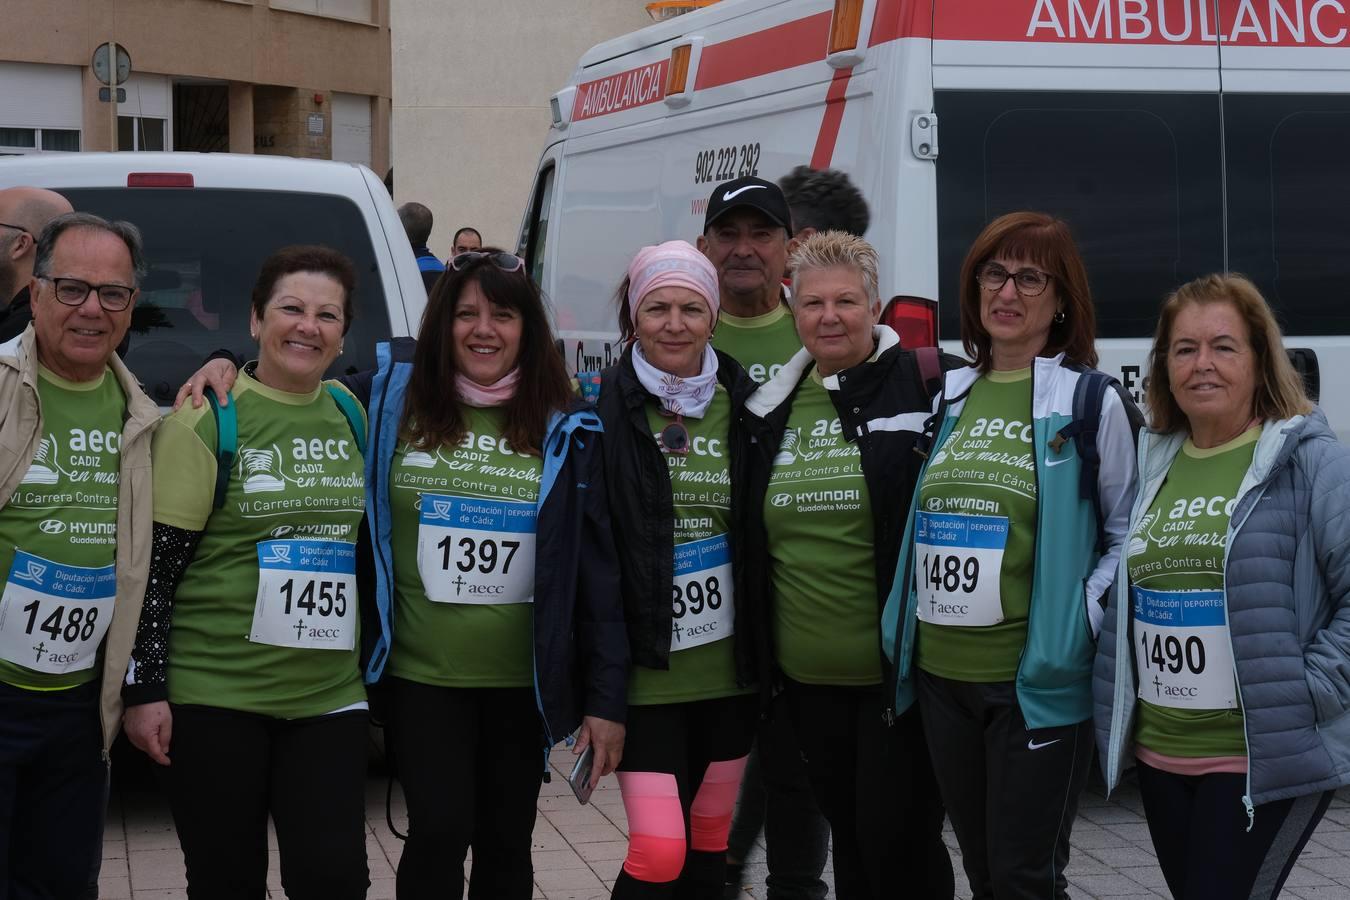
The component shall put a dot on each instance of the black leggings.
(875, 786)
(1199, 830)
(231, 769)
(471, 761)
(682, 740)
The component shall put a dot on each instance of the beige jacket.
(20, 432)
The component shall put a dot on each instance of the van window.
(204, 248)
(1289, 204)
(1136, 176)
(534, 240)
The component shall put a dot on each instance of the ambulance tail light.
(681, 72)
(914, 319)
(850, 29)
(160, 180)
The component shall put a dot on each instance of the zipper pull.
(1251, 811)
(888, 716)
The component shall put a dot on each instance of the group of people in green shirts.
(940, 574)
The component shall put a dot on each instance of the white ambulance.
(1177, 137)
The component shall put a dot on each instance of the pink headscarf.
(672, 264)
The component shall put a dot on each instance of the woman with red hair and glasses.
(484, 495)
(1011, 547)
(671, 409)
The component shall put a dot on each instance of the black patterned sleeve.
(147, 680)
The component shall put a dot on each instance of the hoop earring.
(1059, 317)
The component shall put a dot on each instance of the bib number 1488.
(950, 573)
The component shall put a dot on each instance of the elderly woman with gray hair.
(831, 469)
(1222, 667)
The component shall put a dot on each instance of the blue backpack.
(227, 433)
(1088, 396)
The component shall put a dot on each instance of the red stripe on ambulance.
(785, 46)
(831, 121)
(1246, 23)
(626, 90)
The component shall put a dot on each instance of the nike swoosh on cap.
(749, 187)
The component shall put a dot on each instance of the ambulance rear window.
(1137, 177)
(1289, 204)
(204, 248)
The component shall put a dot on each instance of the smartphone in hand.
(580, 779)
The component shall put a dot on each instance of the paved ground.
(578, 850)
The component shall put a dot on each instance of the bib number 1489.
(950, 573)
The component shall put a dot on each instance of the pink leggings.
(679, 806)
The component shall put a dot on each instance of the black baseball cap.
(756, 193)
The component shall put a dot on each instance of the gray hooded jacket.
(1287, 587)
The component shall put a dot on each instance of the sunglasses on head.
(507, 262)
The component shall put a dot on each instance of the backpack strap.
(227, 444)
(930, 368)
(227, 433)
(1089, 396)
(351, 411)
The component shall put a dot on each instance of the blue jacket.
(1070, 579)
(1287, 588)
(580, 645)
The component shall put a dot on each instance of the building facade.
(308, 78)
(472, 83)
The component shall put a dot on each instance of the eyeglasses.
(18, 228)
(1028, 282)
(507, 262)
(73, 292)
(675, 437)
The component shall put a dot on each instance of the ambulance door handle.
(1305, 364)
(923, 135)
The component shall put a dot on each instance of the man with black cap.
(747, 231)
(747, 235)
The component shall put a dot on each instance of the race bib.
(476, 551)
(957, 562)
(53, 617)
(704, 603)
(306, 595)
(1182, 650)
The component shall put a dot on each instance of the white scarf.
(679, 396)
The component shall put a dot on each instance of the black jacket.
(883, 407)
(641, 508)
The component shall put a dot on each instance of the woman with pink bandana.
(671, 409)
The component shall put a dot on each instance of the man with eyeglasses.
(24, 212)
(75, 541)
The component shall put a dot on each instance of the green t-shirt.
(759, 343)
(1182, 649)
(285, 535)
(818, 520)
(975, 534)
(58, 538)
(463, 539)
(704, 605)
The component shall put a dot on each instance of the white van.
(1177, 137)
(209, 220)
